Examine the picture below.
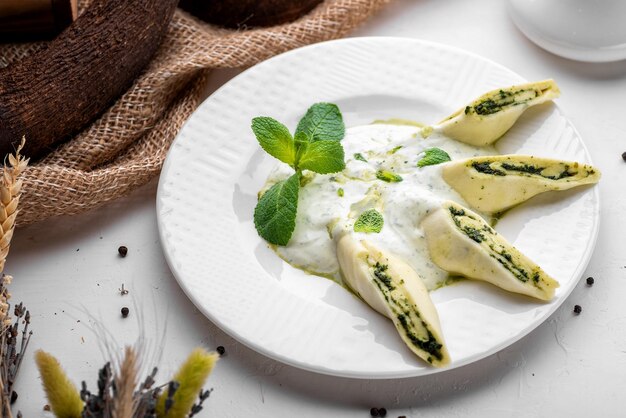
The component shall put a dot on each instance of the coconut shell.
(248, 13)
(56, 92)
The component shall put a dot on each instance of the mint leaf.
(322, 122)
(394, 150)
(360, 157)
(275, 214)
(322, 157)
(275, 139)
(369, 221)
(388, 176)
(433, 156)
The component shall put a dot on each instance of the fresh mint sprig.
(315, 146)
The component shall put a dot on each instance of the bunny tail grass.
(190, 378)
(62, 395)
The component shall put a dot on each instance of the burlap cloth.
(126, 147)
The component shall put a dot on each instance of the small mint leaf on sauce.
(370, 221)
(360, 157)
(433, 156)
(394, 150)
(388, 176)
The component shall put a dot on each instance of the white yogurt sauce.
(403, 204)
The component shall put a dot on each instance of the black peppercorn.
(590, 281)
(125, 312)
(577, 309)
(13, 397)
(624, 156)
(122, 251)
(382, 412)
(221, 350)
(374, 412)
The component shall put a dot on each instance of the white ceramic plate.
(208, 188)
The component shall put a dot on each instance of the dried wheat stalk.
(125, 383)
(11, 354)
(10, 191)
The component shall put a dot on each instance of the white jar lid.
(582, 30)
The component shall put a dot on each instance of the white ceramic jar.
(582, 30)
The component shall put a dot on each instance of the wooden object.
(59, 90)
(30, 19)
(248, 13)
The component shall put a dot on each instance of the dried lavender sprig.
(99, 405)
(146, 397)
(24, 343)
(84, 393)
(146, 403)
(147, 384)
(11, 355)
(172, 387)
(197, 407)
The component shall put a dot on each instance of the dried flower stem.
(121, 394)
(11, 354)
(125, 383)
(10, 191)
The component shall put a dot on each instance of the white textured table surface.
(68, 273)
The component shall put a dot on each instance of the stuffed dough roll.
(394, 289)
(461, 242)
(487, 118)
(495, 183)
